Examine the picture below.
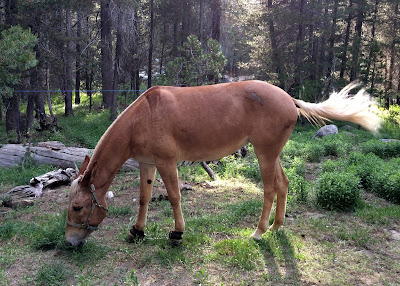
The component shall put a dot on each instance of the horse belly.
(209, 142)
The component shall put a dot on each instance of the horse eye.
(77, 209)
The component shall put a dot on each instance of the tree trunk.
(346, 40)
(48, 90)
(78, 58)
(298, 55)
(201, 20)
(106, 53)
(372, 48)
(13, 115)
(174, 50)
(163, 40)
(389, 87)
(185, 16)
(323, 67)
(88, 86)
(118, 53)
(68, 65)
(332, 37)
(150, 57)
(275, 53)
(216, 20)
(135, 77)
(355, 66)
(398, 89)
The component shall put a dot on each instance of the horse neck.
(110, 154)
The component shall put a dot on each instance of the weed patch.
(49, 232)
(238, 252)
(52, 273)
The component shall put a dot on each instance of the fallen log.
(24, 196)
(52, 153)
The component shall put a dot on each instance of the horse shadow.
(280, 258)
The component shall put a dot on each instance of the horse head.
(85, 210)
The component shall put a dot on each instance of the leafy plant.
(338, 191)
(131, 278)
(382, 149)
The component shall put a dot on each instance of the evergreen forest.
(56, 50)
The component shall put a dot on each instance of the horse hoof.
(175, 237)
(135, 235)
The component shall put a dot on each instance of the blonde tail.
(356, 108)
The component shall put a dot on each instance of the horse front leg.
(147, 177)
(169, 174)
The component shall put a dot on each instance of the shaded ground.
(314, 247)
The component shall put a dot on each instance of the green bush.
(338, 191)
(384, 181)
(314, 152)
(298, 186)
(382, 149)
(363, 166)
(337, 145)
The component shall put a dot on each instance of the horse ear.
(89, 175)
(84, 166)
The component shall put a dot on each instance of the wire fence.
(80, 90)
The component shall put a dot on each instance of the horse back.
(208, 122)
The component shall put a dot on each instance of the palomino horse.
(169, 124)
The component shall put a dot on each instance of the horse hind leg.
(268, 171)
(275, 183)
(281, 186)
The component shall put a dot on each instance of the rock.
(389, 140)
(313, 215)
(109, 195)
(326, 130)
(395, 234)
(347, 127)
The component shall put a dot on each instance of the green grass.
(52, 273)
(114, 211)
(21, 175)
(379, 215)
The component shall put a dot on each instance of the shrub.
(338, 191)
(363, 166)
(314, 152)
(384, 181)
(297, 182)
(382, 149)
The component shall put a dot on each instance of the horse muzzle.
(74, 241)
